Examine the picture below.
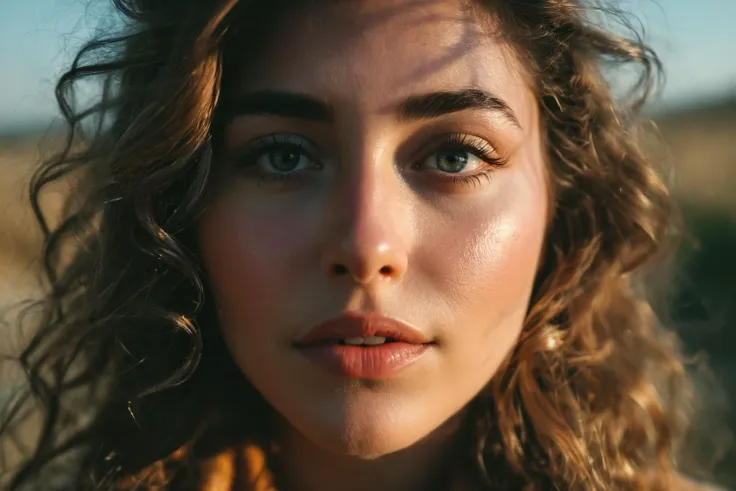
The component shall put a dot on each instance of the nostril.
(338, 270)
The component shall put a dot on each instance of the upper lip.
(356, 325)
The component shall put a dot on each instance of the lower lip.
(364, 362)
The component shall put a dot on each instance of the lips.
(363, 346)
(351, 326)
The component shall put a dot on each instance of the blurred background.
(695, 115)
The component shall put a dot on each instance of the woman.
(355, 245)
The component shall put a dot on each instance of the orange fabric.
(234, 470)
(219, 472)
(256, 473)
(246, 470)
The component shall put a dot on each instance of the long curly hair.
(126, 366)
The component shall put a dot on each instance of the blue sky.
(696, 40)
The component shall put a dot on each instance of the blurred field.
(19, 234)
(700, 148)
(701, 144)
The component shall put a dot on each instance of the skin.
(376, 225)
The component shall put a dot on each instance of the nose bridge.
(366, 237)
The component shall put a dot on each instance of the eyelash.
(476, 146)
(265, 144)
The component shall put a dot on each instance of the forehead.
(372, 53)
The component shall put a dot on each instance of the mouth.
(363, 346)
(363, 341)
(363, 329)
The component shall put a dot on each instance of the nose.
(367, 233)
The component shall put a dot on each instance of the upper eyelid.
(432, 142)
(279, 139)
(261, 143)
(439, 141)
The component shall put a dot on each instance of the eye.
(461, 154)
(454, 161)
(283, 159)
(278, 156)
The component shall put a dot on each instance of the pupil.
(284, 160)
(452, 160)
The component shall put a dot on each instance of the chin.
(365, 444)
(360, 432)
(370, 433)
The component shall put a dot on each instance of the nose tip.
(365, 263)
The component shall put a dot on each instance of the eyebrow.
(415, 107)
(436, 104)
(284, 104)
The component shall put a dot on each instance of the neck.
(426, 465)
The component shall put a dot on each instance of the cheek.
(482, 264)
(251, 254)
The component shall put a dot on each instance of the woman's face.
(382, 159)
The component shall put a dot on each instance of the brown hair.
(590, 398)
